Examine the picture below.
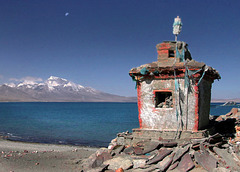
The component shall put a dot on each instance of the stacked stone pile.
(229, 125)
(207, 154)
(218, 152)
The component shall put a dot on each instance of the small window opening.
(163, 99)
(171, 53)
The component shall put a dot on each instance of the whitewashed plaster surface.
(165, 118)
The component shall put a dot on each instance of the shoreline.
(11, 138)
(49, 144)
(43, 145)
(25, 157)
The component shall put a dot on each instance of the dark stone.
(203, 148)
(174, 165)
(106, 156)
(215, 138)
(150, 146)
(227, 157)
(185, 143)
(198, 141)
(128, 150)
(196, 147)
(161, 154)
(180, 152)
(226, 126)
(94, 160)
(128, 137)
(98, 161)
(186, 163)
(123, 134)
(118, 149)
(168, 143)
(219, 144)
(206, 160)
(138, 150)
(142, 143)
(121, 161)
(165, 163)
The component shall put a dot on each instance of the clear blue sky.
(96, 42)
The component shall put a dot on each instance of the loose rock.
(124, 162)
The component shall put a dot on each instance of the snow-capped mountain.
(56, 89)
(56, 82)
(51, 84)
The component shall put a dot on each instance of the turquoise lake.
(87, 124)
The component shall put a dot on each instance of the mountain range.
(237, 100)
(56, 89)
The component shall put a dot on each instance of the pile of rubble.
(214, 153)
(229, 125)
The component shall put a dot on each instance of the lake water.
(88, 124)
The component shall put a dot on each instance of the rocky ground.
(218, 152)
(32, 157)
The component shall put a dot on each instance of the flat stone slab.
(206, 160)
(165, 163)
(139, 163)
(174, 165)
(168, 143)
(138, 150)
(118, 149)
(215, 138)
(95, 159)
(161, 154)
(186, 163)
(227, 157)
(180, 152)
(150, 146)
(98, 161)
(101, 158)
(124, 162)
(129, 150)
(198, 141)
